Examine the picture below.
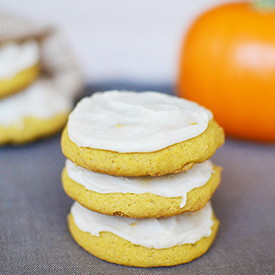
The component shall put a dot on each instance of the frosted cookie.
(139, 134)
(35, 112)
(144, 242)
(19, 66)
(142, 197)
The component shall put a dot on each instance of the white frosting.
(171, 185)
(159, 233)
(40, 100)
(135, 121)
(17, 57)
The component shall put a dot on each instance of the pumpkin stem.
(264, 4)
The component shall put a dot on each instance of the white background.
(119, 39)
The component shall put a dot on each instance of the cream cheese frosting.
(40, 100)
(159, 233)
(127, 121)
(16, 57)
(171, 185)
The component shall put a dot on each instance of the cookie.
(38, 111)
(142, 197)
(19, 66)
(144, 242)
(139, 134)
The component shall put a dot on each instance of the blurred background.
(120, 40)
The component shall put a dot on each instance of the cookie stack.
(30, 105)
(138, 169)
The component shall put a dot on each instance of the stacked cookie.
(138, 169)
(30, 105)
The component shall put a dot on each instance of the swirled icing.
(171, 185)
(126, 121)
(16, 57)
(159, 233)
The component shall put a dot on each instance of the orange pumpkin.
(227, 64)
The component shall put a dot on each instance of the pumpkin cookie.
(142, 197)
(144, 242)
(19, 66)
(139, 134)
(35, 112)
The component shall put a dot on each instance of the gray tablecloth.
(34, 238)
